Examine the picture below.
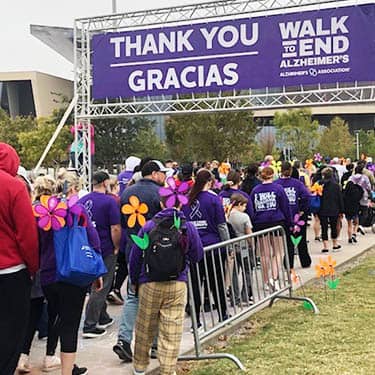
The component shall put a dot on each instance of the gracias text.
(179, 43)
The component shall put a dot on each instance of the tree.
(116, 139)
(296, 130)
(224, 135)
(336, 140)
(33, 143)
(10, 128)
(367, 143)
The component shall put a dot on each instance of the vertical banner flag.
(321, 46)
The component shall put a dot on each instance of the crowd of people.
(175, 211)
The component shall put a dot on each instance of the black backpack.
(164, 259)
(353, 192)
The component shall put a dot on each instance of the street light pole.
(357, 143)
(114, 6)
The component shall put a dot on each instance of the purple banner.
(322, 46)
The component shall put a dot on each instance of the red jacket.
(18, 232)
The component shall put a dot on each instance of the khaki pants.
(162, 310)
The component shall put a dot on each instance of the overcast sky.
(21, 51)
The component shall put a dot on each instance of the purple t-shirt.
(206, 213)
(103, 211)
(226, 194)
(123, 180)
(270, 204)
(297, 194)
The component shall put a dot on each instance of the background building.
(32, 93)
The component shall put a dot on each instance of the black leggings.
(14, 313)
(332, 221)
(215, 266)
(36, 309)
(121, 272)
(65, 305)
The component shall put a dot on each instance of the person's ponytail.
(203, 176)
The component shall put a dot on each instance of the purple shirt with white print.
(206, 213)
(298, 195)
(103, 211)
(227, 193)
(270, 204)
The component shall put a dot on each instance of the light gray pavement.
(97, 355)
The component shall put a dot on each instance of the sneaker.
(318, 239)
(325, 250)
(136, 372)
(350, 240)
(336, 248)
(115, 297)
(123, 350)
(361, 230)
(24, 366)
(92, 333)
(354, 238)
(200, 329)
(79, 370)
(105, 324)
(154, 352)
(51, 363)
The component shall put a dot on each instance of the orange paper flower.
(294, 276)
(317, 189)
(331, 266)
(322, 269)
(309, 164)
(135, 210)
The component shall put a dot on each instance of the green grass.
(286, 339)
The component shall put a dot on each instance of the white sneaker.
(24, 366)
(51, 363)
(135, 372)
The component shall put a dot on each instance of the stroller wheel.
(373, 228)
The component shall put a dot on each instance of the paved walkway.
(97, 355)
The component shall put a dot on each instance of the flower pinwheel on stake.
(317, 189)
(318, 157)
(296, 229)
(173, 193)
(309, 164)
(135, 209)
(50, 213)
(276, 166)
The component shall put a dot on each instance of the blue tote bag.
(77, 262)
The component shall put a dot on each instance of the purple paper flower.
(297, 223)
(218, 185)
(174, 193)
(318, 157)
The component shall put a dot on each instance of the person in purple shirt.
(205, 211)
(232, 187)
(299, 198)
(271, 208)
(65, 301)
(162, 304)
(125, 176)
(105, 215)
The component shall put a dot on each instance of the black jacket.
(331, 203)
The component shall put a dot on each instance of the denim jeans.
(128, 317)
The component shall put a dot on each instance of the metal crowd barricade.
(235, 278)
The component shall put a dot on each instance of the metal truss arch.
(87, 110)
